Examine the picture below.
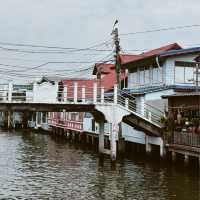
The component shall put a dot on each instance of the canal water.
(37, 166)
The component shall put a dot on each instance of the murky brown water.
(35, 166)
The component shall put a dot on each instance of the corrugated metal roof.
(179, 52)
(151, 53)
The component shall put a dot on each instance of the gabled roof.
(152, 53)
(109, 75)
(105, 68)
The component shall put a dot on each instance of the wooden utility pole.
(121, 141)
(197, 77)
(117, 54)
(197, 59)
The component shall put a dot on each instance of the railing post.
(115, 93)
(83, 94)
(75, 92)
(65, 94)
(149, 115)
(34, 91)
(126, 103)
(95, 93)
(102, 95)
(10, 90)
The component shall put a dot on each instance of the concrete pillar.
(73, 136)
(75, 92)
(162, 149)
(148, 147)
(36, 120)
(34, 91)
(41, 117)
(140, 106)
(10, 90)
(113, 139)
(92, 139)
(101, 137)
(173, 156)
(95, 93)
(186, 159)
(68, 135)
(79, 137)
(87, 139)
(9, 120)
(115, 93)
(121, 141)
(83, 94)
(102, 95)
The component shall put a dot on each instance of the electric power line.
(161, 29)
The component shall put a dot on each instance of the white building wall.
(133, 135)
(45, 92)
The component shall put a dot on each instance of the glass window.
(189, 74)
(179, 74)
(155, 74)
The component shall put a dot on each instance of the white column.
(36, 120)
(140, 107)
(149, 115)
(95, 93)
(162, 148)
(10, 89)
(113, 140)
(147, 144)
(102, 95)
(115, 93)
(65, 94)
(41, 118)
(83, 94)
(75, 92)
(126, 103)
(34, 91)
(101, 137)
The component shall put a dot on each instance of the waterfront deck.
(185, 144)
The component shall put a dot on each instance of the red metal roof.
(105, 68)
(108, 78)
(151, 53)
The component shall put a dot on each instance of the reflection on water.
(35, 166)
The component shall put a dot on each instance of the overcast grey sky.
(82, 23)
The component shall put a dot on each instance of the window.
(155, 75)
(189, 74)
(179, 74)
(184, 74)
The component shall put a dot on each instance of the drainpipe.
(158, 64)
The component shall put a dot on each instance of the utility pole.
(197, 77)
(197, 59)
(117, 54)
(121, 141)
